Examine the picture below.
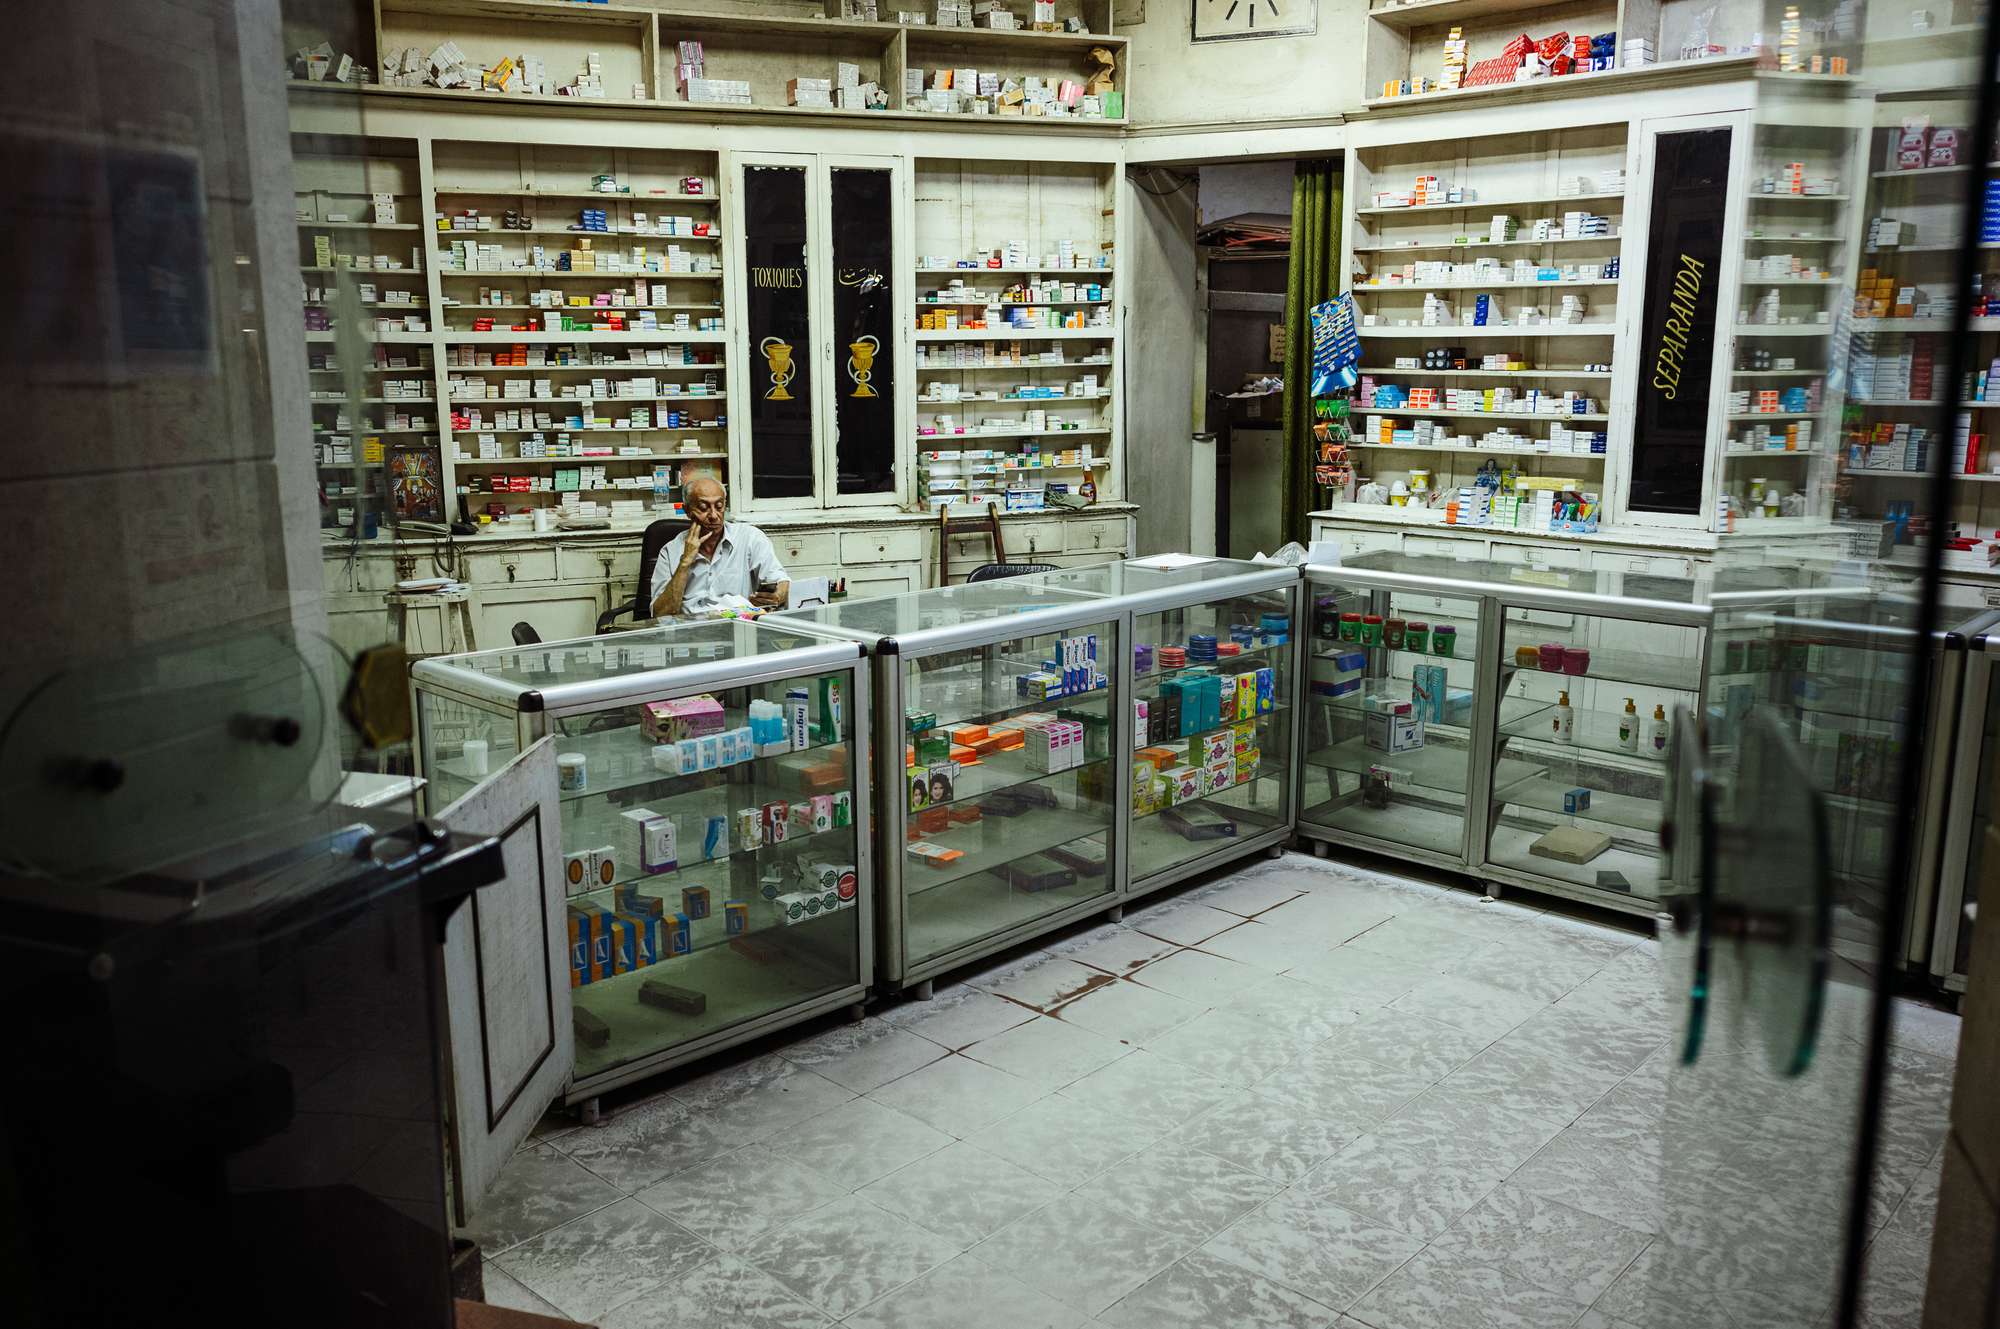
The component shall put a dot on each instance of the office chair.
(525, 635)
(995, 571)
(657, 535)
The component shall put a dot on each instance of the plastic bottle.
(1657, 734)
(1628, 727)
(1564, 726)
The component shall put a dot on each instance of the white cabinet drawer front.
(796, 548)
(379, 574)
(597, 562)
(1445, 546)
(511, 567)
(892, 580)
(1538, 556)
(1028, 541)
(893, 545)
(1088, 537)
(1645, 565)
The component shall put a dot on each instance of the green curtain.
(1313, 278)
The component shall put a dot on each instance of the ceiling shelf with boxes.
(1454, 52)
(1485, 355)
(1053, 62)
(1014, 267)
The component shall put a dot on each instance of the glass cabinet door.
(713, 839)
(1390, 701)
(1227, 743)
(1585, 730)
(1009, 786)
(461, 744)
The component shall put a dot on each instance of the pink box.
(684, 717)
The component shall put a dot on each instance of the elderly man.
(715, 559)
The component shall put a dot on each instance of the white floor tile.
(1047, 1052)
(1129, 1012)
(958, 1095)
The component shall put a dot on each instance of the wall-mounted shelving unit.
(1046, 227)
(636, 50)
(1406, 42)
(1444, 256)
(375, 422)
(646, 405)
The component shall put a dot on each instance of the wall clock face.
(1227, 20)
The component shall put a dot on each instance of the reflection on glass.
(1212, 762)
(1009, 797)
(1389, 701)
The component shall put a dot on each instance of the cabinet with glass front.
(1003, 699)
(1545, 711)
(1214, 684)
(713, 789)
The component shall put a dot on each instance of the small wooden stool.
(458, 636)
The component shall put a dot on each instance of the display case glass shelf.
(1539, 719)
(713, 795)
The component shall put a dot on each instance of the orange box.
(968, 734)
(1007, 739)
(963, 755)
(964, 814)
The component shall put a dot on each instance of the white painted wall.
(1175, 81)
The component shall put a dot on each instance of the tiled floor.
(1301, 1095)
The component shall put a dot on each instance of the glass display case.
(1508, 721)
(1001, 794)
(714, 793)
(1212, 776)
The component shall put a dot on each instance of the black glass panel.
(1684, 267)
(780, 323)
(864, 313)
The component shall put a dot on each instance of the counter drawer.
(888, 545)
(512, 567)
(1645, 565)
(597, 562)
(1030, 540)
(796, 548)
(1538, 555)
(1095, 537)
(1445, 546)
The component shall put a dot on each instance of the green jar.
(1417, 636)
(1444, 640)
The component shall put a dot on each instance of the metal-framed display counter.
(1004, 843)
(761, 900)
(1187, 617)
(1473, 716)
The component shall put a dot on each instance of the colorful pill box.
(735, 918)
(1267, 689)
(749, 828)
(822, 812)
(715, 837)
(1576, 800)
(685, 717)
(934, 855)
(652, 839)
(1216, 746)
(677, 934)
(624, 948)
(694, 901)
(843, 809)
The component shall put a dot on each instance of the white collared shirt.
(745, 552)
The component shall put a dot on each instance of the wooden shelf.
(563, 275)
(1481, 205)
(1453, 331)
(1482, 287)
(1608, 82)
(1504, 417)
(1472, 448)
(1425, 13)
(1016, 334)
(470, 191)
(1491, 373)
(583, 461)
(358, 226)
(960, 272)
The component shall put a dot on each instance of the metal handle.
(1691, 791)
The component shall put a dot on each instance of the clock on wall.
(1228, 20)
